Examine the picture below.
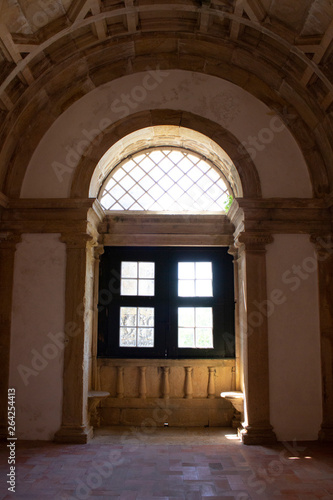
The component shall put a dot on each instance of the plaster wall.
(36, 362)
(294, 338)
(281, 166)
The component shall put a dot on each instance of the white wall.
(36, 361)
(294, 338)
(281, 166)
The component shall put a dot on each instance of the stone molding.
(281, 215)
(253, 242)
(273, 216)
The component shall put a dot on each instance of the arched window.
(167, 302)
(165, 179)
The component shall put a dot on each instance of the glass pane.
(203, 270)
(146, 270)
(129, 269)
(204, 338)
(186, 288)
(129, 287)
(146, 337)
(186, 337)
(127, 182)
(128, 316)
(203, 288)
(182, 176)
(203, 317)
(146, 287)
(146, 316)
(186, 270)
(127, 337)
(186, 316)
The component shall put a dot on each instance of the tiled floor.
(132, 464)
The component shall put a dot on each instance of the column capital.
(9, 240)
(77, 240)
(323, 244)
(253, 242)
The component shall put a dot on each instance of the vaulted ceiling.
(52, 52)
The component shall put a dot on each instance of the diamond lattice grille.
(165, 180)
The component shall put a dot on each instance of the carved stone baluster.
(211, 382)
(188, 382)
(120, 381)
(166, 385)
(142, 383)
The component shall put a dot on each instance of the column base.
(258, 435)
(326, 435)
(74, 435)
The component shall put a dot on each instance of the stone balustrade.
(189, 389)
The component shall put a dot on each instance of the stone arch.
(245, 175)
(52, 94)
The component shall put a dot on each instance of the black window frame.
(166, 302)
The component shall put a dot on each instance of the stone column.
(324, 249)
(75, 427)
(254, 337)
(8, 242)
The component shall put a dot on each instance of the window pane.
(129, 287)
(146, 270)
(146, 337)
(146, 316)
(186, 288)
(128, 316)
(203, 270)
(195, 327)
(186, 317)
(186, 337)
(183, 177)
(136, 327)
(186, 270)
(204, 338)
(203, 317)
(203, 288)
(127, 337)
(146, 287)
(129, 269)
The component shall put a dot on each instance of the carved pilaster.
(95, 381)
(8, 242)
(239, 368)
(324, 250)
(254, 336)
(75, 426)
